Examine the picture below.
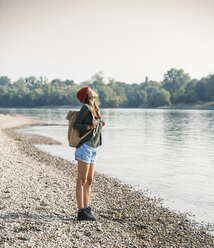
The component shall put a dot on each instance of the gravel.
(38, 204)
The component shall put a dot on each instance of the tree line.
(176, 87)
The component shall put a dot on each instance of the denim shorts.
(86, 153)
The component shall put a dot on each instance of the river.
(167, 153)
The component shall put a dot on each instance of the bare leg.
(83, 169)
(87, 186)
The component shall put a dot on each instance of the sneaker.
(83, 215)
(88, 210)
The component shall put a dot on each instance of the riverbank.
(199, 106)
(38, 205)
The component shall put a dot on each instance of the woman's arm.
(78, 122)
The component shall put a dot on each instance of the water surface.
(168, 152)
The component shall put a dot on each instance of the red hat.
(82, 93)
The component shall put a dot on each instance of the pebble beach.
(38, 203)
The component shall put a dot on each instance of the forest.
(176, 87)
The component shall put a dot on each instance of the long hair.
(94, 108)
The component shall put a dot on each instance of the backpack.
(73, 133)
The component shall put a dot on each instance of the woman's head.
(87, 95)
(86, 92)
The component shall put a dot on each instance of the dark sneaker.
(88, 210)
(83, 215)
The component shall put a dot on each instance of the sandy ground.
(38, 205)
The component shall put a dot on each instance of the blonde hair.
(94, 108)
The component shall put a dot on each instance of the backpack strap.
(95, 128)
(85, 134)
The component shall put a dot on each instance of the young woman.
(89, 118)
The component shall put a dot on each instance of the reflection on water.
(169, 152)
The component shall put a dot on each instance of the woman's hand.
(94, 124)
(103, 123)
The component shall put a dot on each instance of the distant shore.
(38, 204)
(198, 105)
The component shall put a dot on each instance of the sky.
(127, 40)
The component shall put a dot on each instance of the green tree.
(5, 81)
(56, 83)
(201, 89)
(176, 87)
(191, 95)
(160, 98)
(31, 82)
(131, 92)
(142, 98)
(175, 82)
(70, 96)
(210, 88)
(48, 92)
(68, 82)
(98, 79)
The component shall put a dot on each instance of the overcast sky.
(126, 39)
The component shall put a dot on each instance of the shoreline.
(131, 219)
(194, 106)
